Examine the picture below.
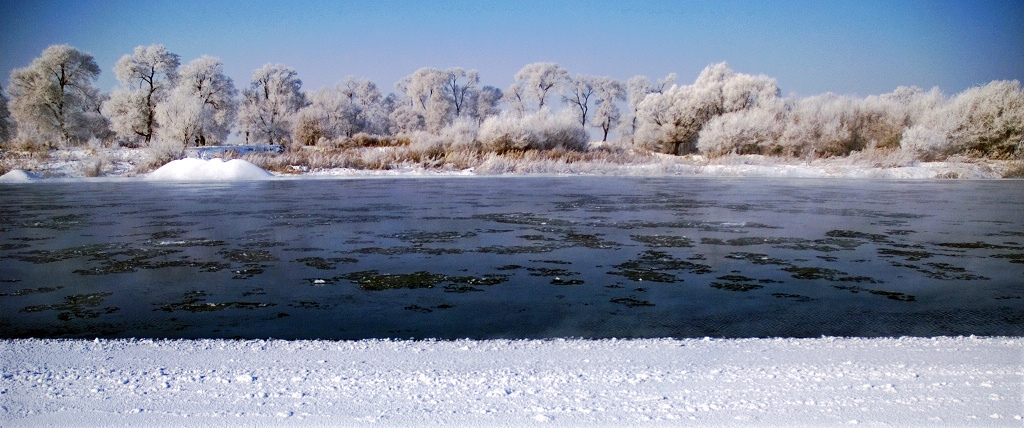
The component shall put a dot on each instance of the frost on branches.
(269, 104)
(6, 124)
(55, 98)
(169, 107)
(147, 78)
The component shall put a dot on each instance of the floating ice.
(205, 170)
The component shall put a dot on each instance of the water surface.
(523, 257)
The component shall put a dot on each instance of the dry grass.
(1015, 170)
(434, 156)
(23, 154)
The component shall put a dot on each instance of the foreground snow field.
(566, 382)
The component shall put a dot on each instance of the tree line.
(160, 101)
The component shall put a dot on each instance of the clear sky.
(849, 47)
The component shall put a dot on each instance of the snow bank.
(17, 176)
(191, 169)
(776, 382)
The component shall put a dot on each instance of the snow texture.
(190, 169)
(959, 381)
(17, 176)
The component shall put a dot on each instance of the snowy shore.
(78, 164)
(960, 381)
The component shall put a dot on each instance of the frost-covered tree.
(203, 80)
(351, 107)
(6, 124)
(460, 88)
(487, 103)
(539, 79)
(370, 107)
(637, 88)
(273, 97)
(436, 98)
(182, 118)
(515, 99)
(578, 92)
(607, 92)
(147, 77)
(407, 119)
(55, 96)
(424, 101)
(671, 121)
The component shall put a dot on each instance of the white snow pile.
(191, 169)
(17, 176)
(948, 381)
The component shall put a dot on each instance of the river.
(521, 257)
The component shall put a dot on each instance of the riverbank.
(379, 161)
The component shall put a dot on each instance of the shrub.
(538, 131)
(743, 132)
(992, 120)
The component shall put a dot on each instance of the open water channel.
(524, 257)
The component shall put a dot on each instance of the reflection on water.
(512, 258)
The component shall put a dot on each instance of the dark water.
(512, 258)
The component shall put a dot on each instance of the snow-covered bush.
(537, 131)
(559, 131)
(981, 121)
(822, 126)
(461, 135)
(991, 120)
(309, 126)
(507, 132)
(424, 145)
(754, 131)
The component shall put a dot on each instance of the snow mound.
(206, 170)
(17, 176)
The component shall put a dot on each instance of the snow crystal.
(17, 176)
(205, 170)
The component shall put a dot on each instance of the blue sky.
(856, 47)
